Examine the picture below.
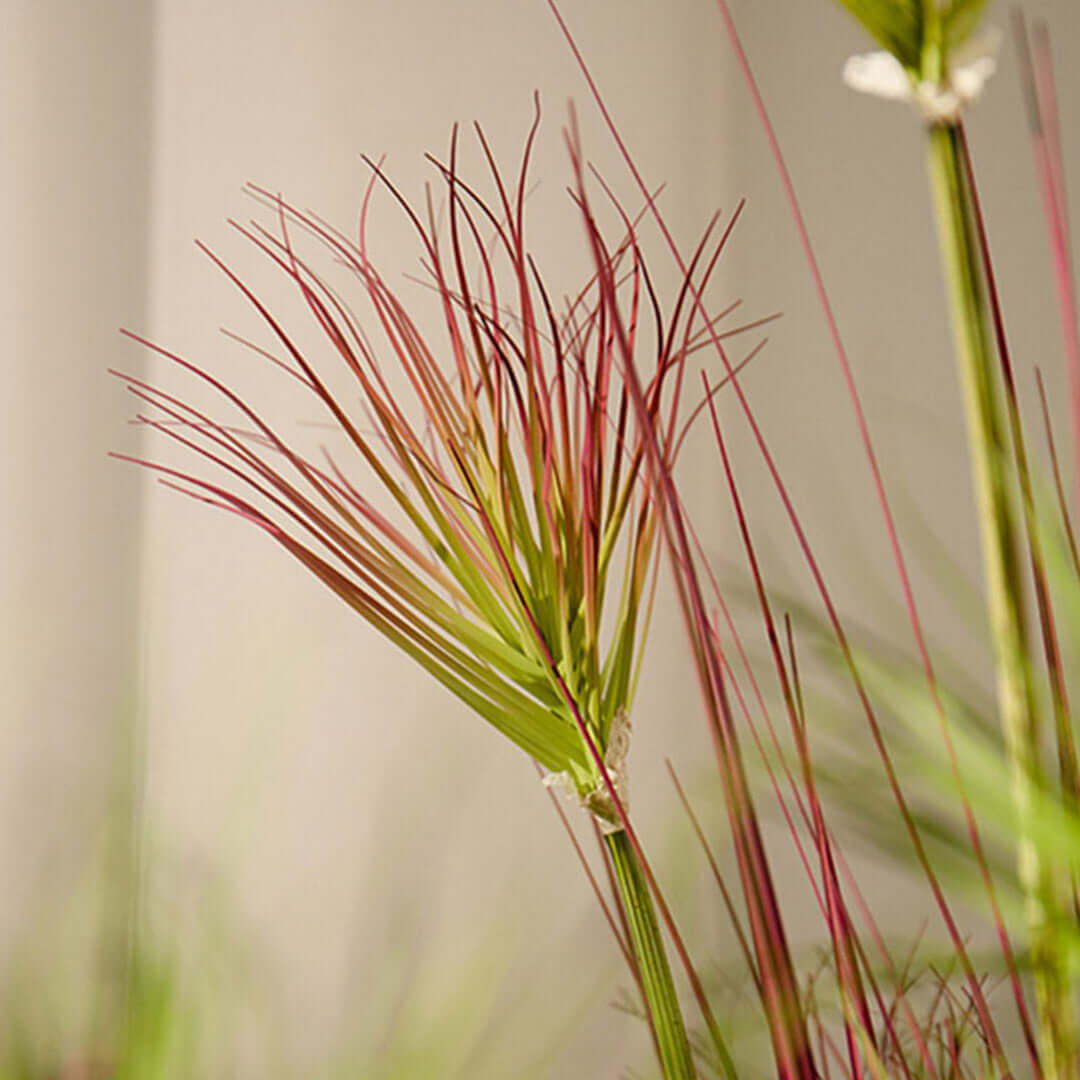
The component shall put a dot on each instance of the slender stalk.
(656, 981)
(1001, 544)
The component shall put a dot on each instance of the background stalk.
(656, 981)
(1000, 537)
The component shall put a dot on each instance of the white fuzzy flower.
(969, 69)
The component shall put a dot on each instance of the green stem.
(656, 982)
(1001, 545)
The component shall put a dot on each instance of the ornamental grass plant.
(519, 570)
(499, 494)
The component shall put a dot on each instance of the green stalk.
(672, 1044)
(1000, 534)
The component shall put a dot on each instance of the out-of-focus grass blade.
(962, 20)
(896, 25)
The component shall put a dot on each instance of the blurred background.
(318, 862)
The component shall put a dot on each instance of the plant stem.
(991, 459)
(657, 984)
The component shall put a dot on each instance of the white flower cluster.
(969, 68)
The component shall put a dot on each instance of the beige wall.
(77, 146)
(295, 765)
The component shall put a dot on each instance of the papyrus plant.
(483, 505)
